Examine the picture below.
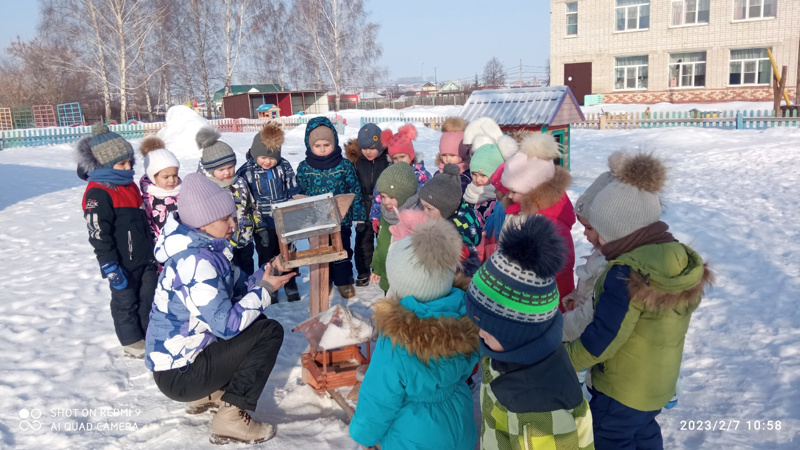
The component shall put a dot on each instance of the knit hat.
(479, 141)
(582, 205)
(424, 263)
(451, 142)
(267, 142)
(486, 160)
(481, 125)
(398, 181)
(532, 165)
(216, 153)
(156, 157)
(514, 295)
(508, 146)
(202, 201)
(443, 191)
(369, 136)
(496, 177)
(630, 200)
(108, 147)
(400, 142)
(321, 133)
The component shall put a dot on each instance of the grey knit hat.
(108, 147)
(398, 181)
(369, 136)
(423, 264)
(630, 200)
(216, 153)
(582, 205)
(443, 191)
(202, 201)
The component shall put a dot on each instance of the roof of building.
(265, 107)
(522, 106)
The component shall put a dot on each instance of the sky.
(445, 40)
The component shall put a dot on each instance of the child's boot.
(347, 290)
(362, 280)
(209, 402)
(135, 350)
(232, 424)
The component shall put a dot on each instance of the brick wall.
(755, 94)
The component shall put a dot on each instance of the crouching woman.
(208, 342)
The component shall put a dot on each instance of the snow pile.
(180, 130)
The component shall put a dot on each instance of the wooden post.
(319, 289)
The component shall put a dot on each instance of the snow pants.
(619, 427)
(365, 247)
(265, 255)
(342, 271)
(240, 366)
(130, 307)
(243, 257)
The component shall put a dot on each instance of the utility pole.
(435, 78)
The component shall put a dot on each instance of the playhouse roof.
(335, 327)
(551, 106)
(265, 107)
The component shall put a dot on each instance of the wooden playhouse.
(546, 109)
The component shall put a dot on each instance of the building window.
(754, 9)
(572, 18)
(750, 67)
(688, 12)
(630, 72)
(633, 15)
(687, 69)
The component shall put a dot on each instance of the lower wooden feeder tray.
(331, 369)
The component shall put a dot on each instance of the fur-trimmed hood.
(353, 152)
(547, 194)
(659, 291)
(87, 161)
(432, 330)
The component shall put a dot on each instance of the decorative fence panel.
(728, 120)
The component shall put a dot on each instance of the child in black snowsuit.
(118, 231)
(370, 159)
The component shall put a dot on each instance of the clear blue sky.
(455, 37)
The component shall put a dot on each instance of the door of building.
(578, 77)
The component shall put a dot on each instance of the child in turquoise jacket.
(414, 393)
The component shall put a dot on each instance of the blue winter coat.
(199, 298)
(415, 394)
(275, 185)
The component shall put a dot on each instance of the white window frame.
(628, 9)
(631, 70)
(748, 4)
(684, 67)
(743, 61)
(571, 13)
(684, 6)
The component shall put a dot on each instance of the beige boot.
(209, 402)
(232, 424)
(135, 350)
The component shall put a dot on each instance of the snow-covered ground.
(731, 194)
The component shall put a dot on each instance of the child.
(481, 126)
(414, 394)
(118, 231)
(370, 159)
(578, 303)
(325, 170)
(400, 147)
(441, 198)
(398, 189)
(160, 183)
(530, 396)
(208, 342)
(218, 163)
(271, 180)
(452, 149)
(537, 186)
(643, 305)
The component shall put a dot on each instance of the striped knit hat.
(514, 296)
(216, 153)
(108, 147)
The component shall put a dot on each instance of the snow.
(731, 194)
(182, 124)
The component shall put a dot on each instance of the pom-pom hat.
(400, 142)
(267, 143)
(532, 165)
(108, 147)
(156, 157)
(481, 125)
(443, 191)
(452, 140)
(514, 296)
(216, 153)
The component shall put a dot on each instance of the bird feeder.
(317, 219)
(334, 355)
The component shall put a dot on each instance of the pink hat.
(452, 141)
(400, 142)
(532, 165)
(495, 179)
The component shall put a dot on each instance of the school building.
(648, 51)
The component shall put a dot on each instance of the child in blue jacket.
(324, 170)
(415, 394)
(271, 180)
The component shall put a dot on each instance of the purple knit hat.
(202, 201)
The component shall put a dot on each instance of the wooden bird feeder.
(334, 355)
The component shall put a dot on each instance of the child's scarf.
(113, 176)
(478, 194)
(324, 162)
(392, 218)
(149, 187)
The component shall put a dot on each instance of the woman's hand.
(277, 281)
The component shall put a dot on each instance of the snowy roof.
(265, 107)
(335, 327)
(524, 106)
